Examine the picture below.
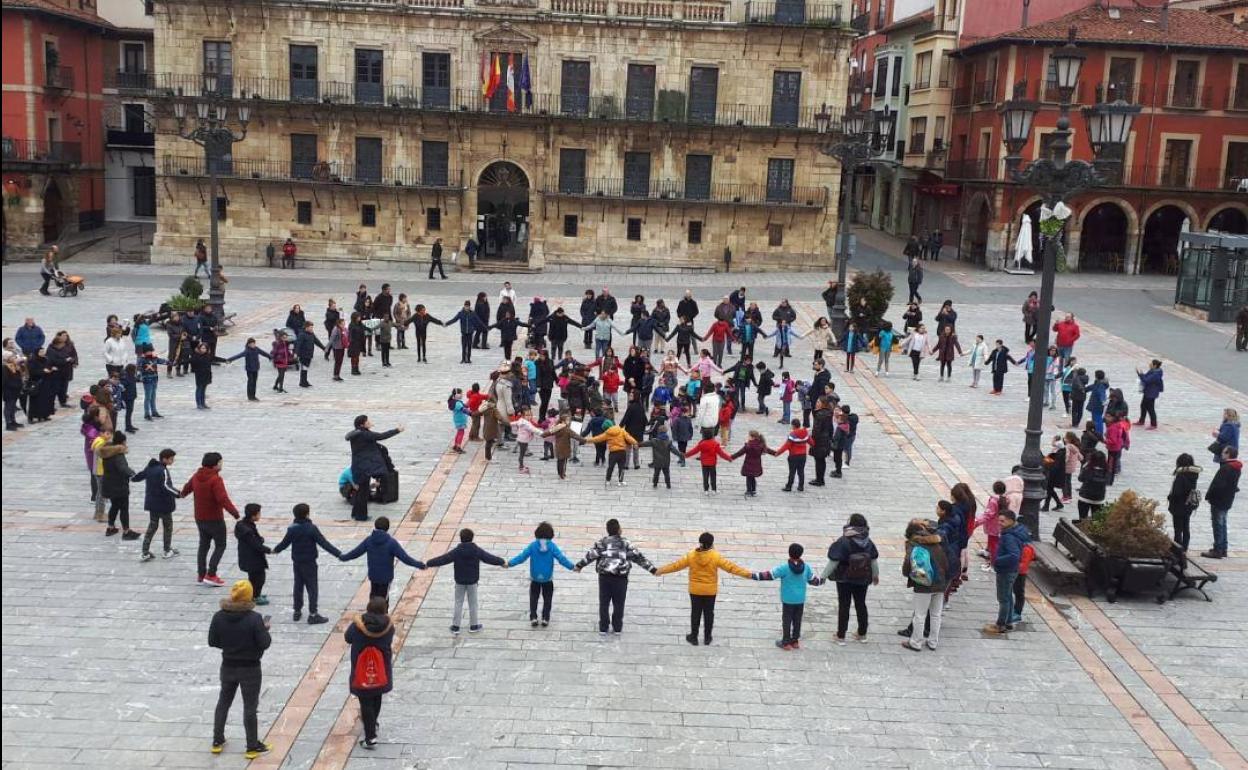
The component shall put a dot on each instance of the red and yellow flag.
(496, 77)
(511, 82)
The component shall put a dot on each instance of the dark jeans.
(211, 533)
(1087, 509)
(556, 349)
(791, 622)
(305, 578)
(1076, 411)
(998, 381)
(370, 710)
(339, 354)
(422, 345)
(616, 460)
(436, 265)
(256, 578)
(845, 592)
(797, 469)
(914, 293)
(612, 591)
(359, 503)
(251, 385)
(119, 506)
(465, 348)
(1005, 597)
(158, 519)
(1020, 594)
(232, 678)
(385, 353)
(751, 484)
(547, 593)
(1182, 528)
(667, 476)
(378, 589)
(916, 358)
(701, 608)
(1148, 406)
(708, 478)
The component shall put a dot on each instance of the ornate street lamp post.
(1056, 179)
(854, 143)
(212, 133)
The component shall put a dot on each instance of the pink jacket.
(1014, 493)
(1074, 458)
(1116, 435)
(525, 431)
(988, 519)
(89, 434)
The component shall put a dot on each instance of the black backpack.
(857, 568)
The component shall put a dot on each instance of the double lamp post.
(212, 132)
(1057, 180)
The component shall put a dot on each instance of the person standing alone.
(242, 636)
(435, 259)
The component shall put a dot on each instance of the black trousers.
(683, 347)
(465, 348)
(588, 337)
(617, 460)
(1020, 593)
(1182, 530)
(612, 591)
(791, 622)
(708, 478)
(211, 533)
(436, 265)
(256, 578)
(821, 467)
(797, 469)
(667, 476)
(385, 353)
(1076, 411)
(422, 345)
(702, 608)
(916, 358)
(119, 507)
(846, 592)
(1148, 406)
(1086, 509)
(914, 293)
(556, 349)
(838, 459)
(378, 589)
(1029, 331)
(547, 593)
(232, 678)
(359, 503)
(155, 521)
(10, 411)
(544, 400)
(370, 710)
(252, 377)
(306, 579)
(998, 380)
(751, 484)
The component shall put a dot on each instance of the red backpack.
(370, 670)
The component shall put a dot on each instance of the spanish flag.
(496, 78)
(485, 74)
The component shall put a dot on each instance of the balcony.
(466, 101)
(860, 23)
(56, 78)
(1189, 98)
(37, 153)
(962, 96)
(675, 191)
(988, 169)
(1111, 91)
(986, 92)
(1049, 92)
(918, 144)
(322, 172)
(123, 80)
(1203, 179)
(1238, 99)
(793, 13)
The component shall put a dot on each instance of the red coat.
(610, 382)
(1067, 333)
(719, 331)
(475, 400)
(796, 444)
(289, 249)
(211, 499)
(708, 451)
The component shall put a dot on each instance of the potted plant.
(1135, 549)
(877, 289)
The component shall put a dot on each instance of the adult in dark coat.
(482, 310)
(372, 629)
(557, 329)
(357, 339)
(634, 421)
(368, 460)
(305, 348)
(606, 303)
(589, 311)
(242, 636)
(821, 435)
(687, 308)
(63, 355)
(1221, 496)
(383, 302)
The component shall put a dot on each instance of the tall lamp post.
(1056, 179)
(213, 134)
(855, 142)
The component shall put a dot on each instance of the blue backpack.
(923, 570)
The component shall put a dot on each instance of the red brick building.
(1187, 157)
(53, 142)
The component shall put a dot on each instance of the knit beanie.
(241, 591)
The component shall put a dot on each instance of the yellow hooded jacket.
(618, 439)
(704, 566)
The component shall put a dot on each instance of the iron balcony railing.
(985, 91)
(471, 101)
(974, 168)
(860, 23)
(1049, 92)
(1189, 98)
(686, 192)
(793, 13)
(59, 78)
(40, 151)
(1238, 99)
(1114, 90)
(1203, 178)
(124, 80)
(322, 172)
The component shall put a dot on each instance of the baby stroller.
(68, 285)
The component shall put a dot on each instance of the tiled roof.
(56, 9)
(1130, 26)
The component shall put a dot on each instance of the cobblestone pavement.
(106, 664)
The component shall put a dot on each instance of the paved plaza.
(106, 662)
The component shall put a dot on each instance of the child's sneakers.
(454, 630)
(316, 619)
(212, 581)
(533, 622)
(861, 638)
(172, 552)
(217, 748)
(261, 601)
(147, 556)
(256, 751)
(840, 641)
(475, 629)
(365, 743)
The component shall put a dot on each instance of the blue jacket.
(467, 558)
(302, 538)
(382, 550)
(29, 338)
(461, 415)
(1010, 548)
(793, 577)
(142, 335)
(885, 339)
(1097, 393)
(159, 494)
(468, 322)
(855, 341)
(252, 356)
(1152, 383)
(541, 555)
(953, 535)
(1228, 434)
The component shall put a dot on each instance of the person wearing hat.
(242, 636)
(1014, 537)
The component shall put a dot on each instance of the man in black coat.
(606, 304)
(1221, 496)
(687, 308)
(305, 348)
(589, 311)
(160, 499)
(435, 259)
(368, 460)
(482, 309)
(242, 636)
(383, 302)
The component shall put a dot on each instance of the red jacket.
(796, 444)
(610, 382)
(211, 499)
(475, 400)
(726, 413)
(289, 249)
(709, 451)
(719, 331)
(1024, 561)
(1067, 333)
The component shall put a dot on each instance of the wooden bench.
(1188, 575)
(1052, 560)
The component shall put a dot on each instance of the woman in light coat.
(978, 354)
(821, 337)
(917, 346)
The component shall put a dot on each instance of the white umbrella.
(1022, 247)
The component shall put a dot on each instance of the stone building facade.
(651, 133)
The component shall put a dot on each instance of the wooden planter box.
(1112, 574)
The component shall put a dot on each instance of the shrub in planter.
(877, 289)
(1129, 528)
(191, 287)
(182, 303)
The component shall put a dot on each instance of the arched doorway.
(503, 212)
(977, 231)
(1032, 212)
(1103, 239)
(53, 206)
(1230, 220)
(1160, 253)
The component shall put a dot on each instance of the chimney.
(1026, 4)
(1165, 14)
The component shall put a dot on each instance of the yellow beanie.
(241, 591)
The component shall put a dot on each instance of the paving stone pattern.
(106, 664)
